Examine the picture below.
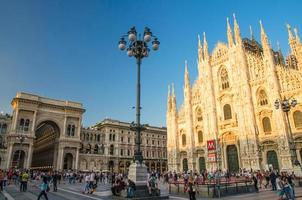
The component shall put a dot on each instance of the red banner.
(211, 145)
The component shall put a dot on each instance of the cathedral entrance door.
(232, 157)
(202, 164)
(185, 165)
(272, 159)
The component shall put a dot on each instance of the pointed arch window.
(266, 123)
(224, 79)
(200, 137)
(298, 119)
(227, 112)
(184, 139)
(262, 98)
(199, 114)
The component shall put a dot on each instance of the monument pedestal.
(139, 175)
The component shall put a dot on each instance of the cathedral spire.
(237, 31)
(173, 92)
(229, 34)
(264, 39)
(205, 47)
(169, 99)
(291, 40)
(297, 36)
(187, 80)
(173, 103)
(290, 35)
(169, 93)
(200, 53)
(251, 33)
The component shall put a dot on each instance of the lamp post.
(20, 137)
(138, 48)
(286, 104)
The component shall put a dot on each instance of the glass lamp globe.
(132, 36)
(294, 103)
(122, 46)
(147, 37)
(129, 52)
(277, 104)
(155, 47)
(155, 44)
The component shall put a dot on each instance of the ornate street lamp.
(286, 105)
(139, 49)
(20, 137)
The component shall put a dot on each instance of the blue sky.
(67, 49)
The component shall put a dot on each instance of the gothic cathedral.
(244, 111)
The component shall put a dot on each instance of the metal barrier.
(214, 188)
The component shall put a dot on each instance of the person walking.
(191, 188)
(255, 183)
(55, 181)
(24, 180)
(44, 189)
(273, 180)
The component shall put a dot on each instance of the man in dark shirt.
(54, 181)
(273, 180)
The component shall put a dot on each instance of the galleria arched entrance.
(50, 133)
(47, 134)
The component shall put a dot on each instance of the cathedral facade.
(229, 118)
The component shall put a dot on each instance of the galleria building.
(44, 133)
(228, 119)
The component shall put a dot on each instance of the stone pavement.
(74, 191)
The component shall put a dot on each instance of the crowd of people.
(281, 182)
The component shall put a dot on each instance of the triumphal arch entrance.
(45, 133)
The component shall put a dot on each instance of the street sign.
(211, 144)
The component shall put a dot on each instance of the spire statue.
(205, 47)
(237, 31)
(229, 34)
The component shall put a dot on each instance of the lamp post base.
(139, 175)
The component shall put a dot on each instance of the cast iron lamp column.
(286, 105)
(138, 48)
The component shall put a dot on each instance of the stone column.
(15, 120)
(29, 156)
(60, 158)
(77, 159)
(34, 123)
(9, 155)
(64, 127)
(79, 128)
